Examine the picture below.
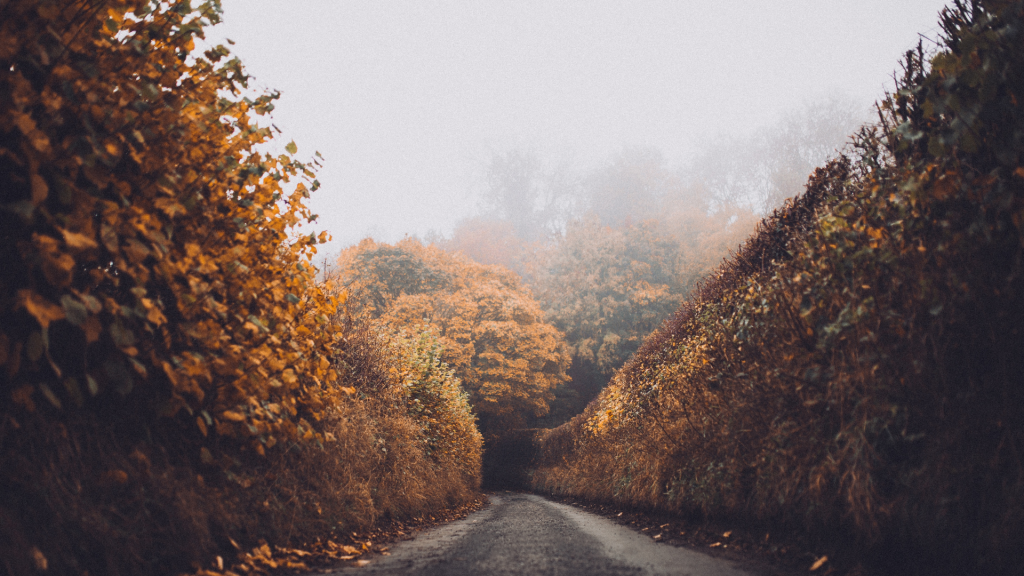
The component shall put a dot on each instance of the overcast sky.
(406, 100)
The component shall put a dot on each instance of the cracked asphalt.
(528, 534)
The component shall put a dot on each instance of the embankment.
(855, 370)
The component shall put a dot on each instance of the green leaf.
(49, 395)
(94, 387)
(74, 310)
(291, 148)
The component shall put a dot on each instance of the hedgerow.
(167, 359)
(855, 369)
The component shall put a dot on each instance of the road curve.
(527, 534)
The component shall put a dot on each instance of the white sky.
(406, 99)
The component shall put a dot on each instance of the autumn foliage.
(855, 370)
(159, 313)
(145, 239)
(491, 330)
(609, 254)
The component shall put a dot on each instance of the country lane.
(528, 534)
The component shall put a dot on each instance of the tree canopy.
(492, 331)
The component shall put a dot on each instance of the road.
(528, 534)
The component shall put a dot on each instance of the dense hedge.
(856, 369)
(169, 368)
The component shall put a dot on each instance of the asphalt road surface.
(527, 534)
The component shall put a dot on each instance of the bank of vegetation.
(610, 251)
(174, 382)
(855, 370)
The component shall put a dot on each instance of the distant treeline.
(609, 254)
(855, 370)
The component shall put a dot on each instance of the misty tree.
(762, 171)
(605, 289)
(628, 189)
(523, 190)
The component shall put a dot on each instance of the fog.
(409, 102)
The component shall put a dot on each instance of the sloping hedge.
(856, 368)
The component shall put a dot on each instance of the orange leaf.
(40, 190)
(40, 308)
(233, 416)
(78, 241)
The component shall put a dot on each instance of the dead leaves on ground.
(264, 559)
(332, 551)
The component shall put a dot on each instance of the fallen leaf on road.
(819, 563)
(39, 559)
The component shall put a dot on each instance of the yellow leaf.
(289, 377)
(819, 563)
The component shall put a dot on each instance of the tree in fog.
(607, 288)
(491, 329)
(761, 172)
(629, 188)
(612, 252)
(524, 191)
